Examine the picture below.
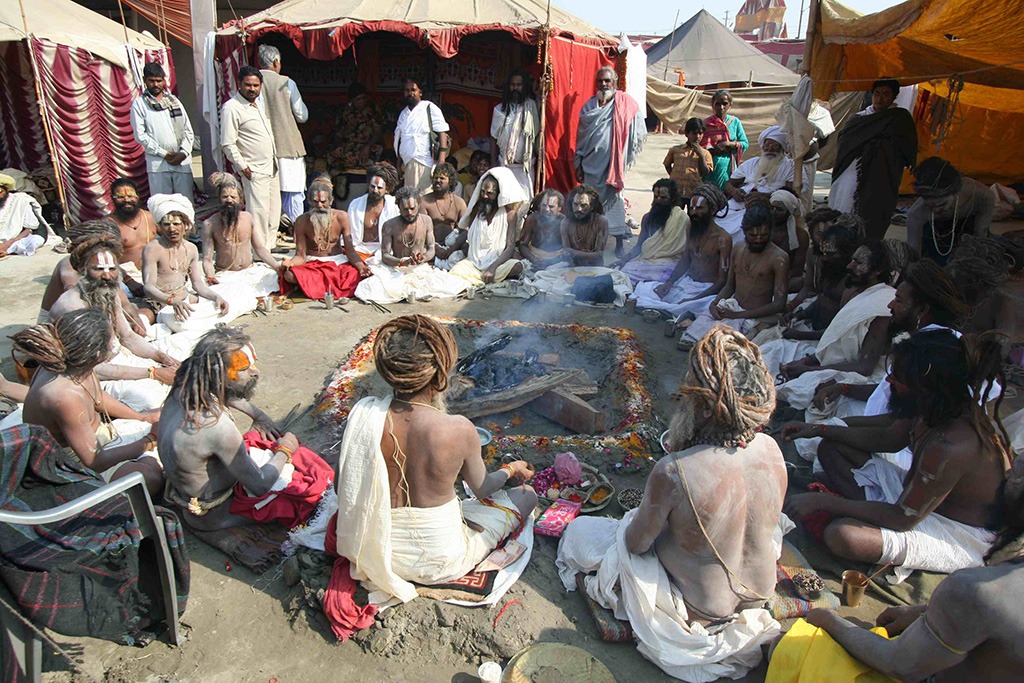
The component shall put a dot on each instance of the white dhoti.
(558, 280)
(680, 299)
(704, 323)
(637, 588)
(263, 201)
(26, 246)
(449, 242)
(260, 278)
(137, 394)
(388, 285)
(434, 545)
(936, 544)
(241, 300)
(292, 175)
(778, 352)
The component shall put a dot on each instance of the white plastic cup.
(489, 672)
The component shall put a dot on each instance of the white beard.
(605, 96)
(766, 168)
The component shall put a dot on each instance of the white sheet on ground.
(678, 301)
(637, 588)
(259, 277)
(389, 285)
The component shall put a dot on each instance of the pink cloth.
(340, 608)
(294, 504)
(626, 109)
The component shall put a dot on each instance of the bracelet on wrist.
(287, 452)
(152, 373)
(150, 442)
(509, 469)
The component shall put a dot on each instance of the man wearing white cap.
(771, 171)
(170, 261)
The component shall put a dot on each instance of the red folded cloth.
(816, 522)
(340, 608)
(293, 505)
(316, 277)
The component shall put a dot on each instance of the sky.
(657, 16)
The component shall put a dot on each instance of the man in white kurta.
(247, 139)
(412, 137)
(514, 128)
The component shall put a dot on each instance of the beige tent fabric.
(425, 14)
(755, 108)
(67, 23)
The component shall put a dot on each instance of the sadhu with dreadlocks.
(367, 213)
(65, 397)
(943, 515)
(399, 517)
(978, 267)
(99, 288)
(229, 242)
(708, 513)
(214, 474)
(701, 271)
(320, 263)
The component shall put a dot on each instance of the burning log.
(509, 399)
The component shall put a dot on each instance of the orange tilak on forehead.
(241, 359)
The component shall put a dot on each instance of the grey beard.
(320, 219)
(237, 391)
(605, 96)
(766, 167)
(486, 207)
(98, 295)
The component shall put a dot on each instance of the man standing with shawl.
(609, 139)
(162, 127)
(514, 128)
(874, 148)
(693, 566)
(724, 138)
(400, 460)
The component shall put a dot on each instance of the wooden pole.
(812, 34)
(43, 115)
(544, 54)
(671, 44)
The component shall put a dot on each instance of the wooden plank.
(569, 410)
(509, 399)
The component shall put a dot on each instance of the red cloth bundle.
(317, 277)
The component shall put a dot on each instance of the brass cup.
(854, 586)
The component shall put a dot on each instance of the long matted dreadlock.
(201, 380)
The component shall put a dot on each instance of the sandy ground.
(245, 627)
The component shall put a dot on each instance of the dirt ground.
(245, 627)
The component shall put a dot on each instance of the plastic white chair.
(24, 641)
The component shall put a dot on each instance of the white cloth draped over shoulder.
(486, 240)
(638, 589)
(841, 343)
(356, 216)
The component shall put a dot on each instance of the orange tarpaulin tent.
(936, 44)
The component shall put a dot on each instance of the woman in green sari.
(724, 138)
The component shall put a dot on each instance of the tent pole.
(671, 44)
(124, 24)
(810, 37)
(43, 115)
(544, 54)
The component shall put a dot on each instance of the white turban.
(509, 191)
(791, 203)
(162, 204)
(774, 133)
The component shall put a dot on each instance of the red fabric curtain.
(574, 66)
(22, 140)
(88, 102)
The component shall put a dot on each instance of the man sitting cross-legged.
(366, 214)
(662, 238)
(406, 253)
(853, 347)
(320, 265)
(970, 630)
(492, 224)
(788, 230)
(943, 514)
(170, 263)
(229, 243)
(703, 267)
(692, 567)
(399, 517)
(755, 291)
(541, 240)
(209, 463)
(823, 283)
(585, 229)
(139, 373)
(66, 398)
(137, 229)
(445, 209)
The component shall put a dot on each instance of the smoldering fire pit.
(538, 388)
